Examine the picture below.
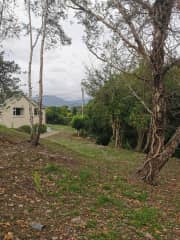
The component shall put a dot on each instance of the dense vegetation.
(115, 115)
(9, 83)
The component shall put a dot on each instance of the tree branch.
(176, 62)
(108, 25)
(139, 99)
(127, 19)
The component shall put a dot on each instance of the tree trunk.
(1, 11)
(161, 18)
(29, 72)
(148, 140)
(118, 142)
(44, 22)
(153, 164)
(141, 134)
(113, 129)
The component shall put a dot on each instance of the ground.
(78, 190)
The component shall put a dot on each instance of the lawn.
(80, 191)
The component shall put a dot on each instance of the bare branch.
(140, 100)
(109, 25)
(128, 21)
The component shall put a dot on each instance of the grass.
(13, 133)
(37, 181)
(108, 168)
(144, 217)
(94, 184)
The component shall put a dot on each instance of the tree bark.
(40, 105)
(153, 164)
(118, 142)
(116, 133)
(30, 71)
(162, 11)
(141, 134)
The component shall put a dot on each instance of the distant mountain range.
(50, 100)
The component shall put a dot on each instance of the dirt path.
(49, 134)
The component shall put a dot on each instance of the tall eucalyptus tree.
(126, 32)
(52, 13)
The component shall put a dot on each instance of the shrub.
(43, 128)
(25, 128)
(78, 122)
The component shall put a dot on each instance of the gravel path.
(49, 134)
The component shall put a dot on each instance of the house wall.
(9, 120)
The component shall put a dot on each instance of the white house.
(14, 112)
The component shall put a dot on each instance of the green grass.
(13, 133)
(112, 235)
(37, 181)
(96, 186)
(90, 150)
(52, 168)
(132, 194)
(144, 217)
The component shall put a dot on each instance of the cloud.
(63, 66)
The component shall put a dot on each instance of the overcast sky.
(64, 66)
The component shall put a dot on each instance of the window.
(36, 111)
(18, 111)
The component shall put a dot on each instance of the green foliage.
(58, 115)
(141, 196)
(138, 117)
(91, 224)
(104, 200)
(25, 128)
(37, 181)
(144, 217)
(51, 168)
(84, 175)
(43, 128)
(78, 122)
(98, 124)
(8, 81)
(113, 235)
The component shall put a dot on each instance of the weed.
(73, 187)
(84, 175)
(102, 200)
(107, 187)
(91, 224)
(144, 217)
(51, 168)
(113, 235)
(37, 181)
(141, 196)
(54, 194)
(106, 200)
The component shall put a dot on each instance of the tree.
(58, 115)
(139, 30)
(78, 123)
(32, 44)
(8, 81)
(139, 119)
(9, 25)
(52, 33)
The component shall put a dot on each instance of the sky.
(64, 66)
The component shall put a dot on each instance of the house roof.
(19, 96)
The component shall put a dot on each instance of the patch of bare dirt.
(20, 203)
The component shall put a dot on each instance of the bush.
(103, 138)
(43, 128)
(77, 122)
(27, 128)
